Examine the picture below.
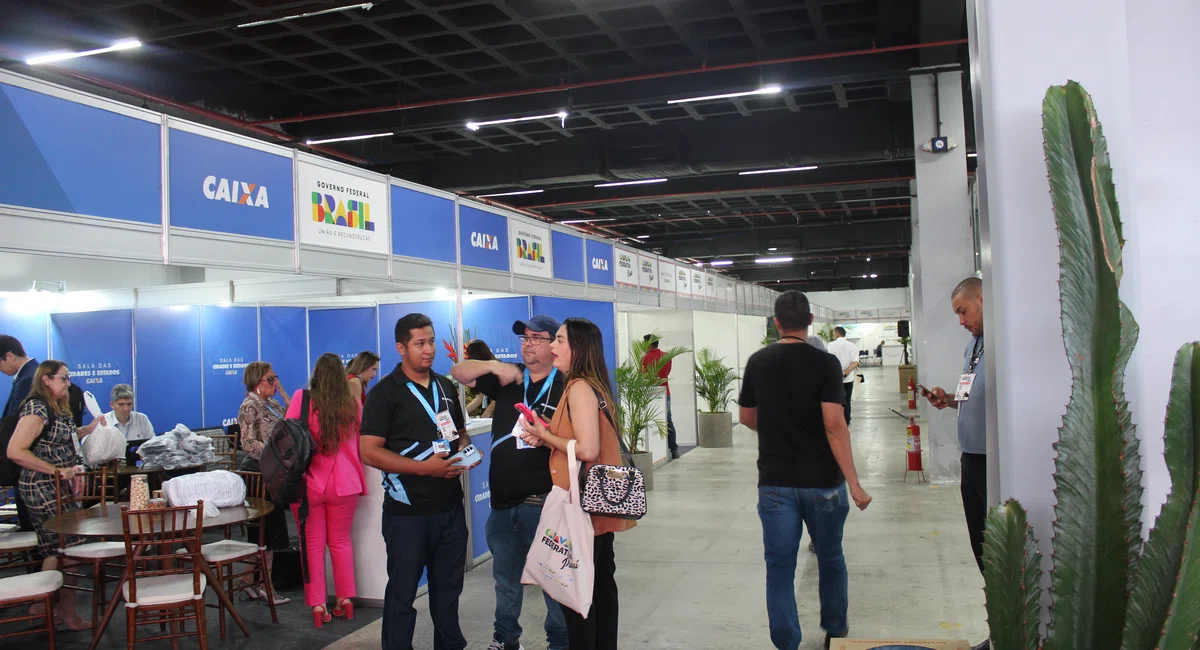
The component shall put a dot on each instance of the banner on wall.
(627, 271)
(683, 283)
(844, 314)
(647, 272)
(491, 321)
(600, 263)
(428, 214)
(97, 347)
(223, 187)
(568, 260)
(890, 313)
(697, 283)
(710, 286)
(868, 314)
(530, 248)
(344, 332)
(666, 276)
(341, 210)
(483, 238)
(229, 338)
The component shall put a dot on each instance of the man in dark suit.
(15, 364)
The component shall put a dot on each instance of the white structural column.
(1138, 60)
(943, 253)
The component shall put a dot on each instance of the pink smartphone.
(530, 416)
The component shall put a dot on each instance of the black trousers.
(974, 497)
(849, 392)
(437, 543)
(599, 630)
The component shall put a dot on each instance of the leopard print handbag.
(609, 490)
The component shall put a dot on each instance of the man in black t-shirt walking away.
(412, 424)
(520, 475)
(792, 395)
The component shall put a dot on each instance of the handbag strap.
(625, 455)
(573, 471)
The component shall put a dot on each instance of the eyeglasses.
(271, 380)
(532, 340)
(66, 379)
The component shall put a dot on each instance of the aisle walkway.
(692, 574)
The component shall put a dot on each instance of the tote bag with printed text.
(560, 560)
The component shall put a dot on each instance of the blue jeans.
(823, 512)
(510, 534)
(435, 543)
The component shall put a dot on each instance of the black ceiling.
(423, 68)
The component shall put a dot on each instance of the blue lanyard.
(421, 398)
(273, 411)
(545, 387)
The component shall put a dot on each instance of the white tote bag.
(561, 559)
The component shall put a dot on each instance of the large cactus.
(1108, 590)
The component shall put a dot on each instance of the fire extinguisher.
(914, 446)
(912, 393)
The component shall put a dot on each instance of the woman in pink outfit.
(335, 482)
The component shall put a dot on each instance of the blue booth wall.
(444, 315)
(97, 348)
(33, 333)
(283, 341)
(603, 314)
(229, 340)
(169, 388)
(492, 319)
(344, 332)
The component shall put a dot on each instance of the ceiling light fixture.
(584, 221)
(562, 115)
(972, 155)
(643, 236)
(868, 259)
(349, 138)
(722, 263)
(364, 5)
(645, 181)
(874, 275)
(772, 249)
(876, 198)
(765, 90)
(777, 171)
(517, 193)
(54, 57)
(773, 260)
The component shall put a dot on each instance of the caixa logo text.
(599, 263)
(241, 192)
(485, 241)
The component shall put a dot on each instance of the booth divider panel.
(344, 332)
(229, 343)
(169, 388)
(444, 315)
(97, 348)
(283, 342)
(480, 494)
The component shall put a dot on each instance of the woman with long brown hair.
(578, 350)
(45, 444)
(335, 481)
(362, 369)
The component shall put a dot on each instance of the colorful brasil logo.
(348, 214)
(531, 252)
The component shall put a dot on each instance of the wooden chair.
(225, 449)
(93, 491)
(33, 588)
(161, 590)
(18, 549)
(224, 555)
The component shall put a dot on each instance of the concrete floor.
(692, 574)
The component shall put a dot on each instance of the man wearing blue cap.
(520, 475)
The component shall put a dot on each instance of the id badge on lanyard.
(967, 380)
(518, 430)
(445, 424)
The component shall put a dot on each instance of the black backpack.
(10, 471)
(286, 457)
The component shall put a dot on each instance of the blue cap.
(538, 323)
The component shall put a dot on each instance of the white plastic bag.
(102, 445)
(218, 488)
(561, 558)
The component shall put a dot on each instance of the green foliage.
(1109, 590)
(826, 332)
(714, 381)
(637, 388)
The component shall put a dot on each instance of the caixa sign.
(485, 241)
(599, 263)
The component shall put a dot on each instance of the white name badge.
(446, 428)
(518, 431)
(441, 446)
(964, 387)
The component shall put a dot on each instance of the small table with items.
(105, 521)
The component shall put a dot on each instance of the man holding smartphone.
(519, 476)
(968, 399)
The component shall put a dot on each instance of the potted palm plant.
(714, 385)
(638, 411)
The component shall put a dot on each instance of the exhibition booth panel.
(424, 236)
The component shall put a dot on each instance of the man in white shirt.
(847, 354)
(134, 425)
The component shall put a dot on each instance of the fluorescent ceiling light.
(773, 249)
(585, 221)
(364, 5)
(349, 138)
(643, 236)
(778, 171)
(874, 275)
(772, 260)
(124, 44)
(876, 198)
(765, 90)
(484, 196)
(474, 126)
(972, 155)
(645, 181)
(868, 259)
(699, 263)
(723, 263)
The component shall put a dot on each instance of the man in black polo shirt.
(792, 395)
(412, 424)
(520, 474)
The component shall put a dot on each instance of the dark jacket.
(22, 385)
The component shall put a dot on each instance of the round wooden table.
(105, 521)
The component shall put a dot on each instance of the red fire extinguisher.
(914, 446)
(912, 393)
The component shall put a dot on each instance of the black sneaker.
(674, 454)
(986, 644)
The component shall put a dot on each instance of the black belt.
(536, 500)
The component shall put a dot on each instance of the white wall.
(717, 331)
(860, 299)
(675, 328)
(1138, 61)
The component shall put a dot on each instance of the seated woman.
(134, 425)
(480, 406)
(45, 444)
